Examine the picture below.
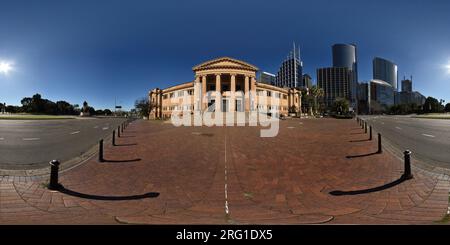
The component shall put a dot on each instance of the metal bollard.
(114, 138)
(100, 151)
(370, 133)
(54, 169)
(380, 150)
(365, 127)
(362, 124)
(118, 131)
(407, 173)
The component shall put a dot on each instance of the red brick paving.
(281, 180)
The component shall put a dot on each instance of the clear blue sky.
(102, 50)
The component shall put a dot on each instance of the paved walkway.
(218, 175)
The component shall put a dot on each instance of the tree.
(432, 105)
(447, 107)
(107, 112)
(85, 107)
(142, 107)
(316, 93)
(341, 106)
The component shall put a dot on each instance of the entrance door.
(239, 105)
(224, 105)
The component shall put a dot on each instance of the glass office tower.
(344, 55)
(290, 74)
(385, 70)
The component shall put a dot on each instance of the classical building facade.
(235, 82)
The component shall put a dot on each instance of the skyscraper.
(385, 70)
(335, 82)
(307, 81)
(290, 74)
(344, 55)
(407, 85)
(267, 78)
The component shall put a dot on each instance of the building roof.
(224, 62)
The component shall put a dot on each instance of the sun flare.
(5, 67)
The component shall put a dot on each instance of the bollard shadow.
(128, 136)
(124, 161)
(355, 141)
(357, 133)
(370, 190)
(69, 192)
(125, 144)
(363, 155)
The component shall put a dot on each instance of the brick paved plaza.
(161, 174)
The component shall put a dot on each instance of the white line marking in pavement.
(398, 128)
(76, 132)
(96, 127)
(290, 127)
(197, 133)
(226, 178)
(2, 138)
(105, 128)
(30, 139)
(429, 135)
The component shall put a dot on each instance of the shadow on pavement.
(131, 160)
(363, 155)
(354, 141)
(125, 144)
(66, 191)
(370, 190)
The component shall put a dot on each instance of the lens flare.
(5, 67)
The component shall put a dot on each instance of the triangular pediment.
(225, 62)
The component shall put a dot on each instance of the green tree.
(142, 107)
(432, 105)
(317, 93)
(341, 106)
(447, 107)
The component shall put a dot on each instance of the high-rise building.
(290, 74)
(407, 96)
(267, 78)
(407, 85)
(335, 82)
(363, 98)
(307, 81)
(344, 55)
(385, 70)
(382, 96)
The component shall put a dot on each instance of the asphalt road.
(29, 144)
(428, 139)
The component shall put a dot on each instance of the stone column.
(253, 93)
(197, 93)
(203, 99)
(218, 95)
(246, 92)
(233, 91)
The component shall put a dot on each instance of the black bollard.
(100, 151)
(380, 150)
(362, 124)
(365, 127)
(370, 133)
(118, 131)
(407, 173)
(54, 169)
(114, 138)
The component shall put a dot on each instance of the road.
(428, 139)
(30, 144)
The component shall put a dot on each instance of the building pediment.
(225, 63)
